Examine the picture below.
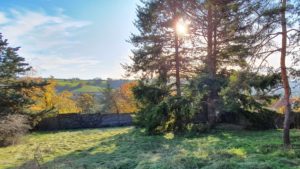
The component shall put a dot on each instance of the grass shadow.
(133, 149)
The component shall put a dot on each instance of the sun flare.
(182, 27)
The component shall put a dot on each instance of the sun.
(182, 27)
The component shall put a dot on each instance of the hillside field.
(86, 86)
(129, 148)
(97, 85)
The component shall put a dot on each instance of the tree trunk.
(284, 77)
(177, 66)
(210, 66)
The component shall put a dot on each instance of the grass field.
(86, 86)
(128, 148)
(84, 89)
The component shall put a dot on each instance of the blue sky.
(70, 38)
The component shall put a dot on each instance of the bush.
(12, 127)
(194, 129)
(153, 118)
(170, 115)
(296, 122)
(161, 112)
(263, 120)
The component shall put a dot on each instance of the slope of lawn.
(128, 148)
(87, 86)
(88, 89)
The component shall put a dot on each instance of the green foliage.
(296, 120)
(215, 55)
(248, 91)
(262, 120)
(247, 95)
(193, 129)
(153, 113)
(242, 94)
(12, 66)
(200, 87)
(13, 100)
(161, 112)
(149, 94)
(238, 92)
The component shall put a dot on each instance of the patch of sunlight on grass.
(227, 135)
(50, 145)
(201, 154)
(169, 136)
(238, 152)
(212, 139)
(130, 148)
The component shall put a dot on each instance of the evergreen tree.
(161, 55)
(282, 19)
(224, 43)
(12, 67)
(225, 37)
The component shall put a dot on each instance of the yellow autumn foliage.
(125, 98)
(46, 97)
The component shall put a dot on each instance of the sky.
(71, 38)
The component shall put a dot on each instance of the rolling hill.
(87, 86)
(97, 85)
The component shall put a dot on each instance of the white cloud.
(3, 18)
(40, 29)
(47, 40)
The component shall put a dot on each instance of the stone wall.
(81, 121)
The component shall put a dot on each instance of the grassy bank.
(129, 148)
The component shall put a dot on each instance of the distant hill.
(87, 86)
(97, 85)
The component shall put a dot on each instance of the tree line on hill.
(207, 59)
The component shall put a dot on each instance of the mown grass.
(129, 148)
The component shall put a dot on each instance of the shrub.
(161, 112)
(296, 122)
(12, 127)
(171, 114)
(263, 120)
(194, 129)
(153, 118)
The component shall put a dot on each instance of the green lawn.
(128, 148)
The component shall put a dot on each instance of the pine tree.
(12, 66)
(282, 19)
(160, 55)
(223, 42)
